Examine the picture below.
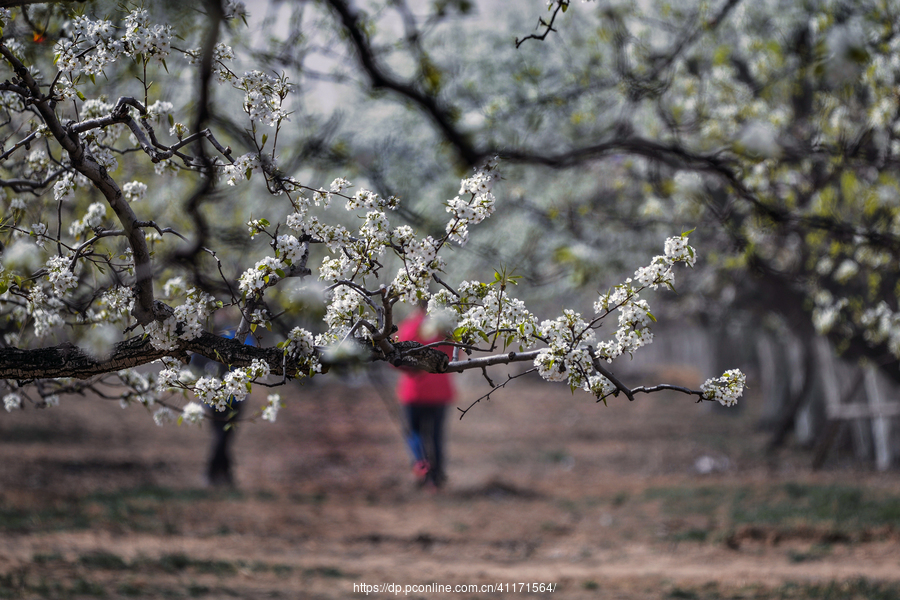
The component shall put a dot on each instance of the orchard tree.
(95, 282)
(771, 127)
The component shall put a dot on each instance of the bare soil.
(545, 487)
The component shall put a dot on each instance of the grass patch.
(83, 587)
(833, 590)
(844, 507)
(172, 563)
(844, 510)
(682, 501)
(103, 560)
(195, 590)
(220, 568)
(130, 590)
(145, 509)
(327, 572)
(691, 535)
(42, 559)
(18, 520)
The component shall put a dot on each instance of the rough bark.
(68, 360)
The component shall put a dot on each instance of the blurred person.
(219, 462)
(424, 398)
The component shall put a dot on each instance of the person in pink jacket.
(424, 397)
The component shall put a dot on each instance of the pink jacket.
(419, 387)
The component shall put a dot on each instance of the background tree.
(769, 127)
(71, 276)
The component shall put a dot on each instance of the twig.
(560, 5)
(494, 389)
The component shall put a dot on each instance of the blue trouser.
(426, 436)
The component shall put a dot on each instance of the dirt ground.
(545, 487)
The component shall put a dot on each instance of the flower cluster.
(92, 219)
(12, 402)
(163, 334)
(198, 306)
(488, 312)
(134, 191)
(420, 262)
(164, 415)
(264, 96)
(96, 43)
(64, 188)
(827, 311)
(567, 356)
(60, 276)
(263, 273)
(725, 389)
(142, 38)
(288, 248)
(882, 325)
(476, 208)
(192, 413)
(234, 387)
(242, 168)
(633, 312)
(273, 404)
(44, 311)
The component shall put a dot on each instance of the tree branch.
(68, 360)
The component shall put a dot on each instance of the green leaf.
(565, 7)
(92, 78)
(688, 232)
(652, 318)
(253, 327)
(80, 95)
(264, 222)
(3, 287)
(171, 120)
(280, 273)
(164, 64)
(265, 138)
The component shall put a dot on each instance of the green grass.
(102, 560)
(51, 576)
(145, 509)
(861, 589)
(693, 534)
(843, 508)
(683, 501)
(846, 507)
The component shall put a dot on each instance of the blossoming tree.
(771, 127)
(93, 285)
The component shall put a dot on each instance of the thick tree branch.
(68, 360)
(84, 163)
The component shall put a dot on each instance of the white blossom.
(273, 404)
(134, 191)
(192, 413)
(164, 415)
(725, 389)
(12, 402)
